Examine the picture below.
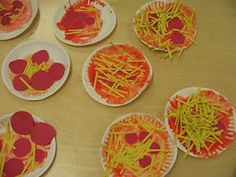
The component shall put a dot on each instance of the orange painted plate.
(177, 31)
(137, 144)
(116, 74)
(223, 122)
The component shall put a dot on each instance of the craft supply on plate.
(116, 74)
(201, 121)
(84, 22)
(169, 26)
(135, 145)
(16, 16)
(27, 145)
(35, 70)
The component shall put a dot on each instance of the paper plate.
(170, 159)
(51, 153)
(13, 34)
(147, 6)
(107, 14)
(56, 53)
(185, 93)
(91, 91)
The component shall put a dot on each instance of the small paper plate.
(90, 90)
(107, 14)
(185, 93)
(174, 153)
(56, 53)
(13, 34)
(51, 153)
(144, 7)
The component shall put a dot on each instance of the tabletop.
(80, 121)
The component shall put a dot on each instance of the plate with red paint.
(27, 143)
(201, 120)
(35, 70)
(169, 26)
(83, 22)
(137, 144)
(116, 74)
(16, 16)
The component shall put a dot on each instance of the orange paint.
(132, 76)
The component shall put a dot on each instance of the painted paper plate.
(27, 144)
(16, 16)
(137, 144)
(35, 70)
(165, 25)
(84, 22)
(116, 74)
(201, 120)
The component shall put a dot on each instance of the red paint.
(155, 146)
(39, 155)
(92, 73)
(42, 80)
(17, 66)
(132, 78)
(40, 57)
(175, 23)
(18, 84)
(152, 17)
(131, 138)
(42, 134)
(57, 71)
(143, 135)
(145, 161)
(13, 167)
(177, 37)
(174, 104)
(22, 122)
(23, 147)
(171, 122)
(97, 1)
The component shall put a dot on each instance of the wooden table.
(80, 121)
